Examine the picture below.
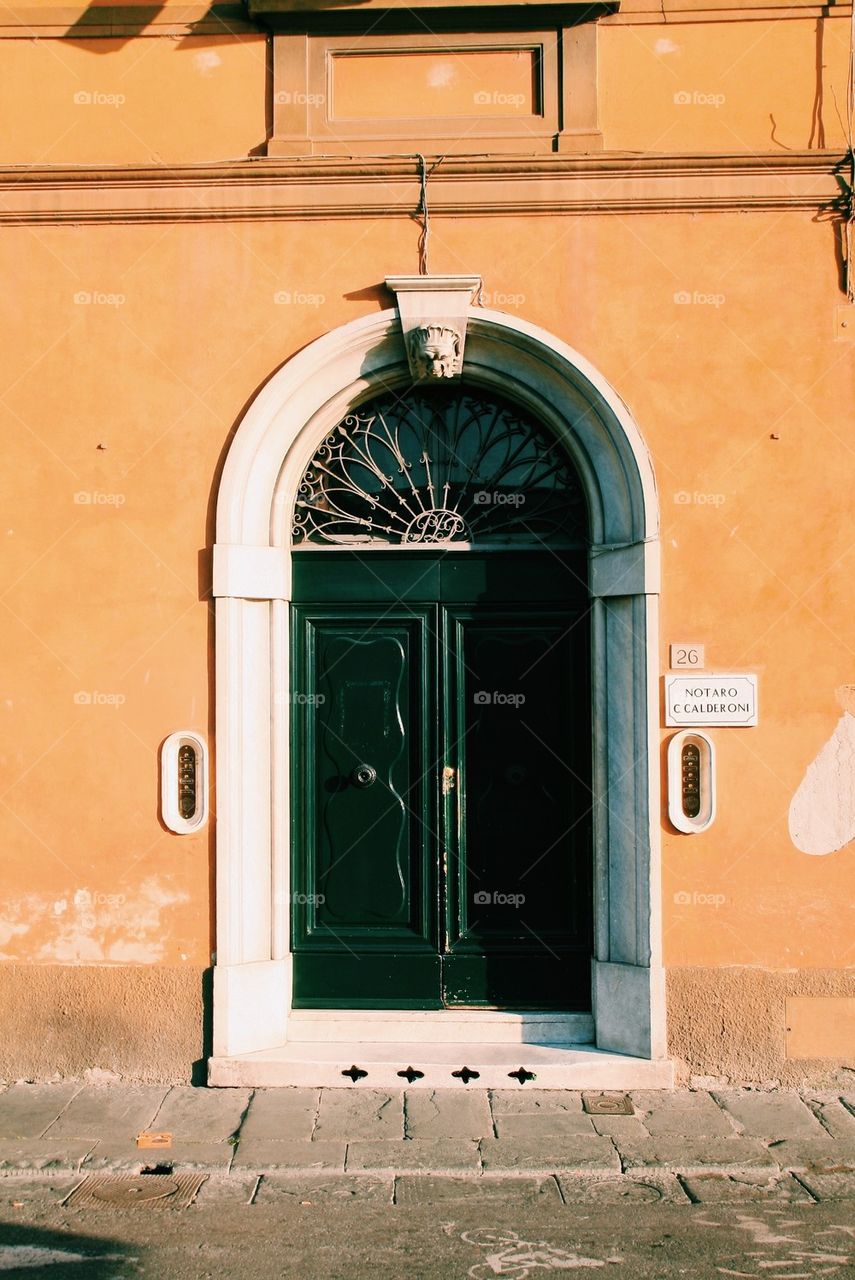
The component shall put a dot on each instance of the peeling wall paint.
(90, 926)
(822, 812)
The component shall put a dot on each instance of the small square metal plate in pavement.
(607, 1104)
(146, 1190)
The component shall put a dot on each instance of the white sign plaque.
(711, 699)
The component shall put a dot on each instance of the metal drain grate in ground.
(148, 1190)
(607, 1104)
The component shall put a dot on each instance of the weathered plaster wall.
(131, 352)
(142, 1022)
(732, 370)
(731, 1022)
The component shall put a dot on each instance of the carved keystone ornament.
(434, 351)
(434, 311)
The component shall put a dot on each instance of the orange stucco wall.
(694, 86)
(131, 351)
(131, 405)
(726, 86)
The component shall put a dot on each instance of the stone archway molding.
(271, 448)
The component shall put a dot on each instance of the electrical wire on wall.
(849, 224)
(423, 212)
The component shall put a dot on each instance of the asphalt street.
(325, 1228)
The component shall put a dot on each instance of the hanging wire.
(423, 212)
(849, 224)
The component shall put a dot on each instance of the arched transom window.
(439, 466)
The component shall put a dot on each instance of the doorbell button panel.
(691, 782)
(184, 782)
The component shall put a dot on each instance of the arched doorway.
(440, 712)
(256, 567)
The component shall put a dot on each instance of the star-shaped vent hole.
(355, 1073)
(465, 1074)
(522, 1075)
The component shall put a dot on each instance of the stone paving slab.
(823, 1153)
(370, 1114)
(760, 1114)
(281, 1114)
(104, 1111)
(322, 1190)
(545, 1126)
(203, 1115)
(835, 1118)
(579, 1189)
(186, 1156)
(447, 1115)
(579, 1152)
(229, 1188)
(421, 1155)
(26, 1110)
(527, 1101)
(620, 1127)
(830, 1186)
(684, 1155)
(260, 1155)
(43, 1154)
(500, 1191)
(689, 1115)
(724, 1188)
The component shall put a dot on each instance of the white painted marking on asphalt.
(511, 1256)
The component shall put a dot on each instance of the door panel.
(519, 892)
(364, 913)
(456, 869)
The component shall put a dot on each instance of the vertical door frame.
(252, 574)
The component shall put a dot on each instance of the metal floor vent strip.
(135, 1190)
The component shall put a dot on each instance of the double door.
(441, 772)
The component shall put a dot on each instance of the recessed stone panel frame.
(304, 89)
(274, 443)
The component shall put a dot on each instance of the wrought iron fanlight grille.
(439, 467)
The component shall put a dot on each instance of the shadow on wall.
(214, 28)
(129, 27)
(96, 14)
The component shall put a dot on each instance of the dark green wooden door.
(441, 781)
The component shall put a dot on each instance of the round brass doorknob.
(363, 775)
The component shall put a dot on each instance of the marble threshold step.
(457, 1026)
(323, 1065)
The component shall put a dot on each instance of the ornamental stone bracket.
(433, 312)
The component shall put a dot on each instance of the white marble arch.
(270, 451)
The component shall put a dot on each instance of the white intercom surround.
(691, 781)
(184, 782)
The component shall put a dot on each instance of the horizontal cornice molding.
(668, 11)
(84, 21)
(312, 188)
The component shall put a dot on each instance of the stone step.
(457, 1026)
(560, 1066)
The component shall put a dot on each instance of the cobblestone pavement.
(683, 1147)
